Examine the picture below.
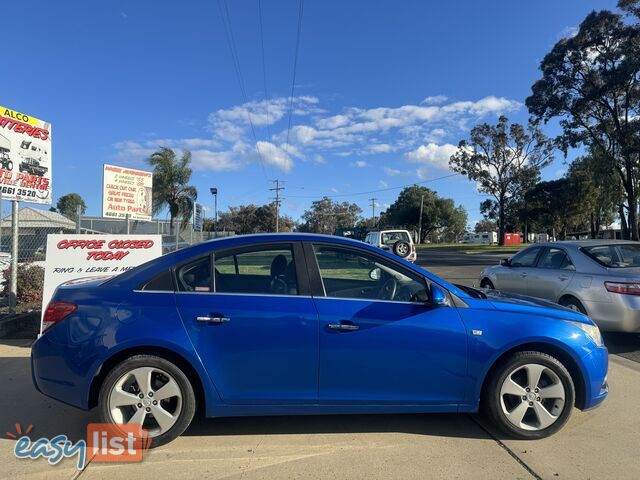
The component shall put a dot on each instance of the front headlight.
(592, 331)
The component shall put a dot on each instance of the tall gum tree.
(504, 160)
(591, 83)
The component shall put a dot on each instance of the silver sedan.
(600, 278)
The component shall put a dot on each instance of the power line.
(264, 68)
(295, 68)
(369, 192)
(228, 28)
(277, 200)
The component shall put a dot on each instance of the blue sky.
(384, 89)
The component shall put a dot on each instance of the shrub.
(30, 283)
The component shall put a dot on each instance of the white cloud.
(276, 156)
(433, 155)
(417, 130)
(359, 164)
(382, 184)
(392, 172)
(435, 100)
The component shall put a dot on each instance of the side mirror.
(438, 297)
(505, 262)
(375, 273)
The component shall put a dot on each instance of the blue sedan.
(295, 324)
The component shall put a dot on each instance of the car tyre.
(486, 283)
(528, 409)
(402, 249)
(573, 304)
(122, 378)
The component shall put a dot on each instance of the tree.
(68, 205)
(326, 216)
(504, 160)
(606, 190)
(485, 225)
(591, 82)
(564, 204)
(171, 189)
(246, 219)
(438, 214)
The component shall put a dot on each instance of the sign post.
(13, 279)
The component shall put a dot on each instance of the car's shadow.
(441, 425)
(623, 344)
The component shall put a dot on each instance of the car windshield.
(624, 255)
(389, 238)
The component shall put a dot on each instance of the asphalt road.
(458, 267)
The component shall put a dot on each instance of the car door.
(253, 323)
(552, 274)
(514, 277)
(381, 340)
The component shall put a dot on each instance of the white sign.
(25, 157)
(197, 218)
(70, 257)
(126, 191)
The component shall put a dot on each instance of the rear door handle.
(345, 327)
(523, 274)
(563, 277)
(213, 319)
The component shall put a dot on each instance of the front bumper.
(596, 385)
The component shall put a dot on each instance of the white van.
(399, 242)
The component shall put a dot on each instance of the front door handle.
(213, 319)
(345, 327)
(523, 274)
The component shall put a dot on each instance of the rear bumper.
(54, 377)
(621, 314)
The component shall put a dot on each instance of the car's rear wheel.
(574, 304)
(150, 391)
(529, 396)
(486, 283)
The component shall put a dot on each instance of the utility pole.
(420, 219)
(277, 199)
(373, 209)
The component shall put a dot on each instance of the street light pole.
(214, 192)
(420, 220)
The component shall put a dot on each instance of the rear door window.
(555, 259)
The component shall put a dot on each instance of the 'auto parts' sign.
(126, 192)
(25, 157)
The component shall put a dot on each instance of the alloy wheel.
(532, 397)
(147, 396)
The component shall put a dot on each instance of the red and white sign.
(126, 191)
(74, 257)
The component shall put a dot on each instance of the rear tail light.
(56, 312)
(623, 288)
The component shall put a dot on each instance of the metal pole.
(128, 223)
(420, 220)
(13, 279)
(1, 220)
(177, 227)
(78, 217)
(215, 211)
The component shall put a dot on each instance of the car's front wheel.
(150, 391)
(529, 396)
(486, 283)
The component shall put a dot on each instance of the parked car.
(598, 278)
(32, 167)
(279, 324)
(397, 241)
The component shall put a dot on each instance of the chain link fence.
(34, 224)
